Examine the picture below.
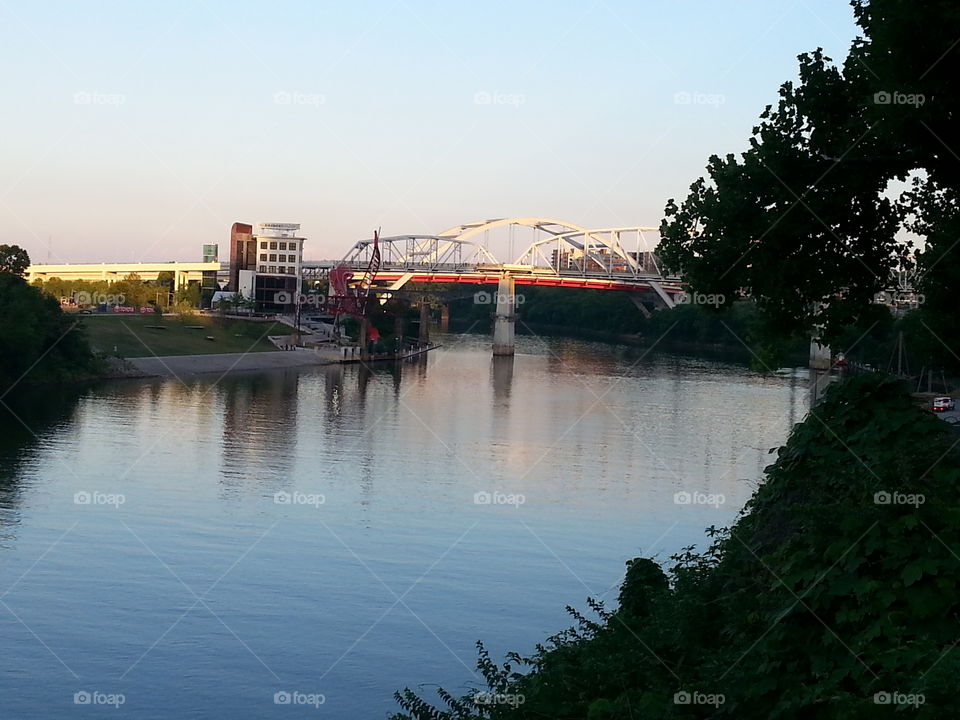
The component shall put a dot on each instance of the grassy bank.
(148, 335)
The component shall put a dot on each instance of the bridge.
(562, 254)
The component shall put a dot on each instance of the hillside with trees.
(40, 343)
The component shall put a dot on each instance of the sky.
(138, 131)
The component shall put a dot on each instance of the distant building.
(279, 249)
(211, 254)
(183, 273)
(266, 264)
(243, 252)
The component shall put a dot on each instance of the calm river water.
(334, 534)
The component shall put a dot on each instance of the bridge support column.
(504, 318)
(820, 356)
(363, 339)
(445, 319)
(424, 323)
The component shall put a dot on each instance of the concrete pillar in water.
(819, 356)
(820, 378)
(445, 319)
(424, 323)
(504, 318)
(363, 339)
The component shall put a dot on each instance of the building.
(211, 253)
(243, 252)
(279, 249)
(183, 273)
(266, 264)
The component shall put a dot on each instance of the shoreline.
(193, 365)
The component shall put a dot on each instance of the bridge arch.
(568, 248)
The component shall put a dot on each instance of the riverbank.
(140, 336)
(191, 365)
(734, 351)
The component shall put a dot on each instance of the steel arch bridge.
(562, 254)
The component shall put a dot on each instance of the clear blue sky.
(138, 131)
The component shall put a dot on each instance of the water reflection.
(501, 371)
(259, 429)
(599, 440)
(30, 423)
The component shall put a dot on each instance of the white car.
(942, 404)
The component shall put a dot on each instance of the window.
(263, 246)
(283, 246)
(273, 269)
(273, 245)
(282, 270)
(263, 268)
(273, 257)
(263, 257)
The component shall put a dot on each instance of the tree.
(800, 221)
(41, 343)
(14, 260)
(132, 289)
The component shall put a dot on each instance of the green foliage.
(14, 260)
(739, 330)
(189, 294)
(800, 221)
(40, 343)
(819, 597)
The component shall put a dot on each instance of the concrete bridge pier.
(504, 317)
(445, 319)
(424, 322)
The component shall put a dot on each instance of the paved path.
(188, 365)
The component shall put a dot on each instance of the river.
(193, 549)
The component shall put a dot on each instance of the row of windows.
(283, 245)
(282, 258)
(281, 270)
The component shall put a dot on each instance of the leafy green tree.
(800, 221)
(14, 260)
(189, 294)
(133, 290)
(41, 343)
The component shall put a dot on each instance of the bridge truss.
(565, 249)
